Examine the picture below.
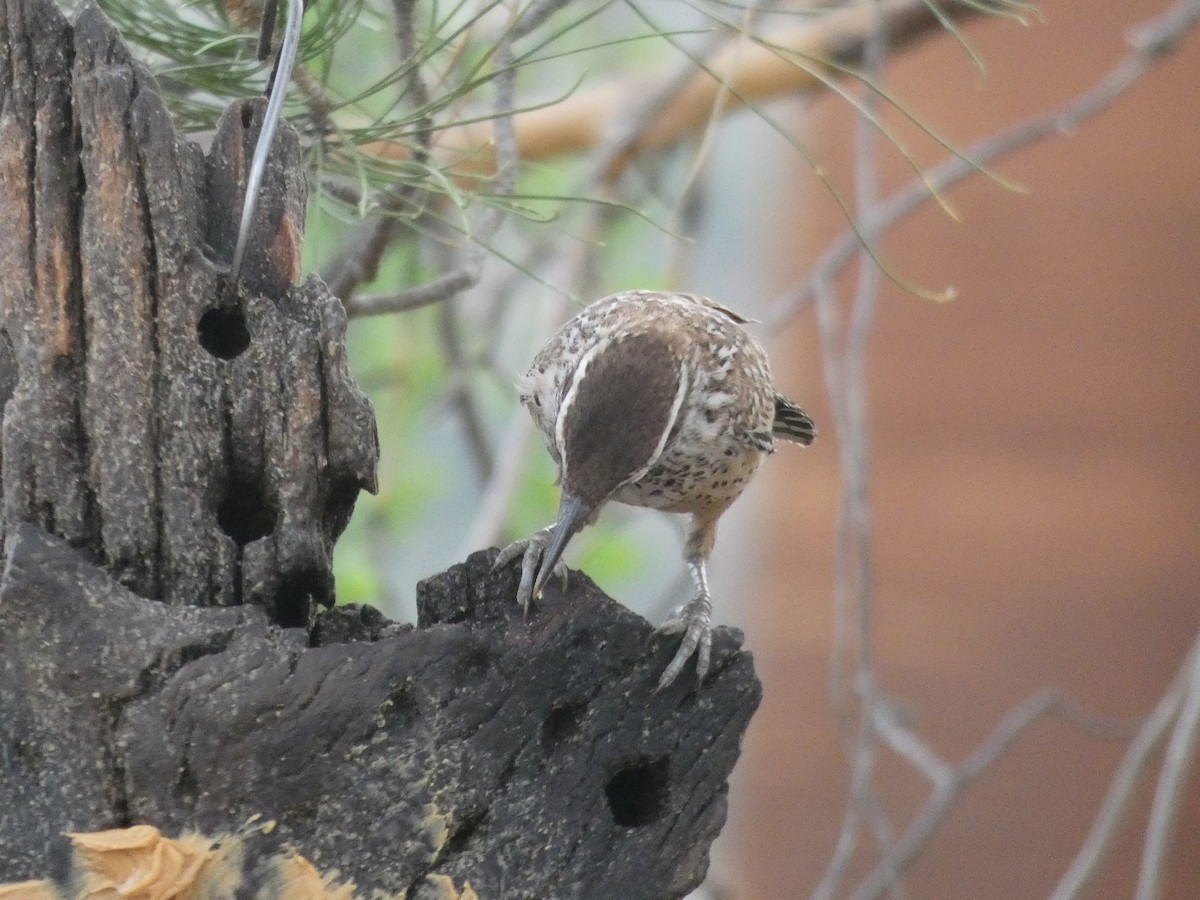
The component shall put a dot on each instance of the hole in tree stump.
(298, 592)
(562, 722)
(339, 504)
(400, 710)
(637, 795)
(245, 513)
(472, 664)
(223, 332)
(461, 836)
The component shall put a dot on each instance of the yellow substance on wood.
(28, 890)
(298, 879)
(444, 884)
(138, 863)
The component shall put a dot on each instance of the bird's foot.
(692, 619)
(530, 550)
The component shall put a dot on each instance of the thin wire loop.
(280, 79)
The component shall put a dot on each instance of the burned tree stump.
(178, 461)
(202, 452)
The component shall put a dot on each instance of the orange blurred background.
(1035, 463)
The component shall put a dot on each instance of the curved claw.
(531, 551)
(694, 620)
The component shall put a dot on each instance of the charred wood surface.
(529, 758)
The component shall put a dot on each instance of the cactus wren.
(659, 400)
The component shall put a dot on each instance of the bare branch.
(948, 790)
(1176, 764)
(844, 338)
(1145, 743)
(847, 842)
(442, 287)
(506, 158)
(797, 60)
(907, 744)
(1151, 42)
(461, 398)
(535, 14)
(358, 261)
(855, 441)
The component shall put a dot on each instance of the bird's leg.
(693, 619)
(530, 550)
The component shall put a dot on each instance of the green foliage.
(205, 60)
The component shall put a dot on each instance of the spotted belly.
(689, 482)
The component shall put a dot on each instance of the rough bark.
(176, 467)
(203, 451)
(526, 758)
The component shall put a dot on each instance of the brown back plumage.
(617, 413)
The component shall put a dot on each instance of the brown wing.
(792, 423)
(617, 414)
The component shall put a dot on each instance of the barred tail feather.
(792, 423)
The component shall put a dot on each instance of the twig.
(460, 395)
(1112, 811)
(907, 744)
(468, 272)
(948, 790)
(534, 15)
(1151, 41)
(1177, 761)
(866, 301)
(847, 841)
(817, 51)
(845, 364)
(844, 345)
(426, 294)
(831, 368)
(358, 262)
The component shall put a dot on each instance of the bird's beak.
(573, 513)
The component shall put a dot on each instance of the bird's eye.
(525, 398)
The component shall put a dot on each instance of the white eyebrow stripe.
(569, 398)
